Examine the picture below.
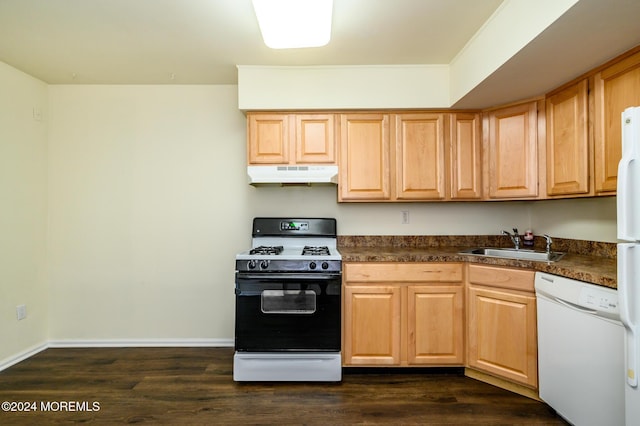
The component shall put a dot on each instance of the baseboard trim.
(115, 343)
(13, 360)
(502, 383)
(139, 343)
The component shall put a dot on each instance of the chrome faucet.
(515, 237)
(549, 241)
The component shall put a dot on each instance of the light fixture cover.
(289, 24)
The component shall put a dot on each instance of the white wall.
(22, 212)
(343, 87)
(149, 203)
(584, 219)
(512, 26)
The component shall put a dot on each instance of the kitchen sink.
(509, 253)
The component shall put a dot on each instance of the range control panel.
(294, 226)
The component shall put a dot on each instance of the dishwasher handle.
(573, 306)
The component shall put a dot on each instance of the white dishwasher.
(580, 350)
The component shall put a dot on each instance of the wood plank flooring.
(183, 386)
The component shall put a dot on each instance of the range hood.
(304, 174)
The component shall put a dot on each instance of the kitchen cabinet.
(365, 157)
(512, 151)
(282, 138)
(501, 318)
(420, 156)
(403, 314)
(617, 87)
(568, 150)
(465, 164)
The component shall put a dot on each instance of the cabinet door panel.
(364, 157)
(420, 167)
(315, 138)
(616, 88)
(466, 159)
(513, 152)
(434, 325)
(372, 325)
(567, 144)
(501, 337)
(403, 272)
(495, 276)
(268, 138)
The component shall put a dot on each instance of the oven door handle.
(289, 276)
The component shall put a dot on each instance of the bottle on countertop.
(528, 238)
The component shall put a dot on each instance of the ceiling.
(202, 41)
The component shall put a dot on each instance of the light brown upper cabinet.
(420, 156)
(465, 164)
(281, 138)
(512, 152)
(568, 150)
(364, 157)
(617, 87)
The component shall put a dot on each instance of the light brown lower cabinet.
(413, 314)
(501, 318)
(403, 314)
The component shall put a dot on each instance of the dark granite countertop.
(592, 262)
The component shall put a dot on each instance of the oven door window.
(288, 302)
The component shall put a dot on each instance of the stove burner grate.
(315, 251)
(266, 250)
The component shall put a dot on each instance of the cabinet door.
(616, 88)
(466, 156)
(567, 143)
(364, 157)
(420, 165)
(502, 337)
(268, 138)
(434, 325)
(371, 325)
(513, 152)
(315, 138)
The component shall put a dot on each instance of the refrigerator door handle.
(627, 259)
(628, 177)
(623, 198)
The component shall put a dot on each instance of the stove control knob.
(264, 264)
(325, 265)
(312, 265)
(251, 264)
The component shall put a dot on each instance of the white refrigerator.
(628, 199)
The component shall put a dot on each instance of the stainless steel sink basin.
(508, 253)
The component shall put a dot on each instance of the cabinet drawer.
(515, 279)
(403, 272)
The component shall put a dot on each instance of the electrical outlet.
(21, 312)
(405, 217)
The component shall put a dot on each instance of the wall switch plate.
(21, 312)
(405, 217)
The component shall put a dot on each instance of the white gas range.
(288, 301)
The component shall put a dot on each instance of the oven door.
(288, 312)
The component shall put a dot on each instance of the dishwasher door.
(580, 351)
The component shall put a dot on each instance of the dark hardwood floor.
(182, 386)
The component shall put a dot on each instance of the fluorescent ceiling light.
(288, 24)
